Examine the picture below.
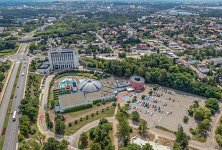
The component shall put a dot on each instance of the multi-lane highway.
(11, 137)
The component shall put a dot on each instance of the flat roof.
(71, 99)
(74, 99)
(59, 49)
(44, 66)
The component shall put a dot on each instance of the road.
(107, 45)
(11, 137)
(7, 95)
(11, 133)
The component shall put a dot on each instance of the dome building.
(137, 83)
(89, 86)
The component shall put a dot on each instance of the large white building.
(60, 58)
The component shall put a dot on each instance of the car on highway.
(14, 116)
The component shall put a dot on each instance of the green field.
(100, 115)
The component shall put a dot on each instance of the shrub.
(92, 115)
(185, 119)
(77, 108)
(20, 137)
(81, 119)
(193, 131)
(70, 124)
(76, 121)
(33, 131)
(97, 102)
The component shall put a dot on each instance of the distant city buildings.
(61, 59)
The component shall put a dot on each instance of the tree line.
(159, 69)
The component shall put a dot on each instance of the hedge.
(77, 108)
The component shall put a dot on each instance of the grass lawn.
(78, 113)
(76, 127)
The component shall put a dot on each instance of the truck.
(14, 116)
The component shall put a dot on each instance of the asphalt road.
(11, 137)
(7, 95)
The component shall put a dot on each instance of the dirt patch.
(164, 141)
(150, 136)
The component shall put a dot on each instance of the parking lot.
(165, 108)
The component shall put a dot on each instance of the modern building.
(137, 83)
(63, 59)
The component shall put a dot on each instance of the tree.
(135, 116)
(32, 47)
(124, 130)
(133, 147)
(95, 146)
(176, 146)
(185, 119)
(182, 139)
(219, 139)
(147, 146)
(103, 121)
(219, 129)
(122, 55)
(83, 140)
(53, 144)
(143, 127)
(202, 113)
(212, 104)
(204, 125)
(2, 76)
(59, 124)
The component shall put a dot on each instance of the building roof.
(89, 86)
(137, 79)
(44, 66)
(59, 49)
(68, 100)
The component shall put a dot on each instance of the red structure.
(137, 83)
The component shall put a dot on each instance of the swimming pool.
(67, 82)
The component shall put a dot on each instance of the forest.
(159, 69)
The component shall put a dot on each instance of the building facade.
(62, 59)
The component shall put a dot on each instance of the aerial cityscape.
(110, 75)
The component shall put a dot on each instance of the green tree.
(53, 144)
(135, 116)
(83, 140)
(212, 104)
(202, 113)
(185, 119)
(182, 139)
(204, 125)
(95, 146)
(59, 124)
(133, 147)
(147, 146)
(143, 127)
